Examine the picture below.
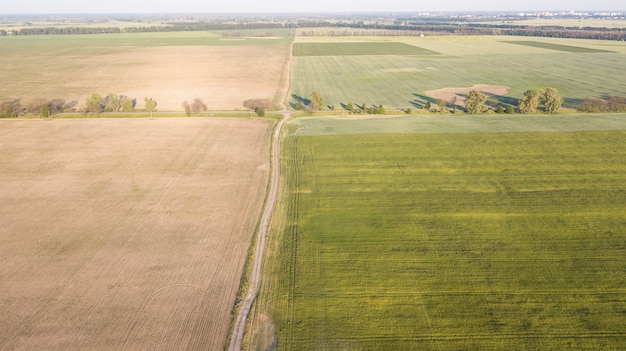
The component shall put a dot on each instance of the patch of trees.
(96, 103)
(257, 105)
(549, 97)
(37, 107)
(612, 104)
(195, 107)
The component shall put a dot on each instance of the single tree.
(151, 104)
(427, 105)
(317, 102)
(475, 102)
(187, 108)
(128, 104)
(94, 104)
(5, 110)
(299, 106)
(509, 109)
(45, 110)
(452, 103)
(442, 105)
(198, 106)
(551, 100)
(112, 103)
(260, 111)
(56, 106)
(254, 104)
(529, 102)
(349, 106)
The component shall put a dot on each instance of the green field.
(478, 240)
(32, 44)
(401, 81)
(375, 48)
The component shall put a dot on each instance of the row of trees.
(170, 27)
(445, 26)
(364, 108)
(612, 104)
(550, 98)
(37, 107)
(96, 103)
(529, 103)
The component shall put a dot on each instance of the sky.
(271, 6)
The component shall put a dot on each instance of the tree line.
(454, 28)
(170, 27)
(548, 98)
(433, 26)
(37, 107)
(611, 104)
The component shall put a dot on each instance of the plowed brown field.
(127, 234)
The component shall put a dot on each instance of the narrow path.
(255, 279)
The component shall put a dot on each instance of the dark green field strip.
(122, 40)
(557, 47)
(343, 49)
(454, 241)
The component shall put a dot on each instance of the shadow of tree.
(506, 100)
(420, 100)
(572, 103)
(301, 99)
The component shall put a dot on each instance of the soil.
(126, 234)
(448, 94)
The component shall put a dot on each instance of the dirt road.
(255, 279)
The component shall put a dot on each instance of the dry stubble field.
(126, 234)
(169, 67)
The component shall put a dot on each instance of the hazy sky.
(204, 6)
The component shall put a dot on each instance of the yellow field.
(126, 234)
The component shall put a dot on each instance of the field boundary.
(239, 329)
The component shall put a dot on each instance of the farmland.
(476, 238)
(169, 67)
(126, 234)
(403, 232)
(577, 68)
